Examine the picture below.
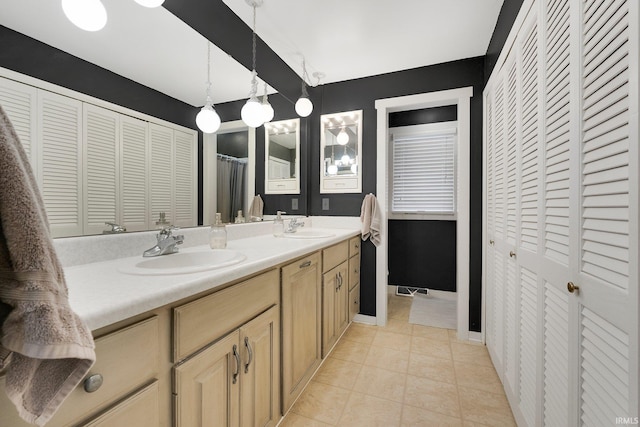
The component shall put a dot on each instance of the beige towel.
(255, 211)
(370, 218)
(46, 348)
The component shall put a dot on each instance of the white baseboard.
(475, 337)
(363, 318)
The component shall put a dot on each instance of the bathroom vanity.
(206, 348)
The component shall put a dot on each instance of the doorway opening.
(461, 98)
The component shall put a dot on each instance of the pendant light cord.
(254, 73)
(208, 71)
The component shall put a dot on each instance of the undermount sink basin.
(309, 234)
(185, 262)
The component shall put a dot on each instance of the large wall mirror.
(282, 157)
(341, 152)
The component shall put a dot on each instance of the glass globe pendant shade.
(345, 159)
(332, 170)
(304, 107)
(88, 15)
(252, 113)
(267, 111)
(208, 120)
(354, 168)
(343, 137)
(150, 3)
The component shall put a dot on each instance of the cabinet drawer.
(140, 410)
(126, 359)
(204, 320)
(354, 271)
(354, 246)
(334, 255)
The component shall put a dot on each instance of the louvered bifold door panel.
(554, 270)
(608, 257)
(528, 345)
(100, 155)
(185, 202)
(19, 103)
(161, 172)
(489, 215)
(511, 293)
(60, 162)
(134, 174)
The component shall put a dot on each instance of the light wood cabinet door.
(301, 325)
(260, 376)
(334, 305)
(354, 301)
(207, 387)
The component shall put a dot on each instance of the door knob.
(512, 254)
(492, 242)
(572, 288)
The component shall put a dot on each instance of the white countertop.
(103, 295)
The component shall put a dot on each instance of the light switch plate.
(325, 204)
(294, 204)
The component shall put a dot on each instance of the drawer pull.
(246, 343)
(305, 264)
(93, 383)
(238, 363)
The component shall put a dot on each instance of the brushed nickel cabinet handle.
(246, 343)
(238, 363)
(305, 264)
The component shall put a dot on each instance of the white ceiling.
(343, 39)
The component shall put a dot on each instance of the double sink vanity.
(206, 337)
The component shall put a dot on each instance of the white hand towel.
(255, 211)
(370, 218)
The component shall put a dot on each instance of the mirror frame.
(341, 184)
(283, 185)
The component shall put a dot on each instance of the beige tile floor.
(402, 375)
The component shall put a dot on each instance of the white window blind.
(423, 172)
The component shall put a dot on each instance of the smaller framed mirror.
(341, 152)
(282, 157)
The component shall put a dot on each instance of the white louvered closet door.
(161, 172)
(101, 168)
(185, 179)
(60, 162)
(134, 174)
(19, 101)
(606, 256)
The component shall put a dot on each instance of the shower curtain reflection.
(231, 186)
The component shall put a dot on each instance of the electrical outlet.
(325, 204)
(294, 204)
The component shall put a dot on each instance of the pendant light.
(207, 119)
(267, 109)
(150, 3)
(304, 106)
(88, 15)
(252, 112)
(343, 137)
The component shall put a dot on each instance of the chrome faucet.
(293, 225)
(167, 243)
(115, 228)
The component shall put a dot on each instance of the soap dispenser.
(218, 234)
(278, 225)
